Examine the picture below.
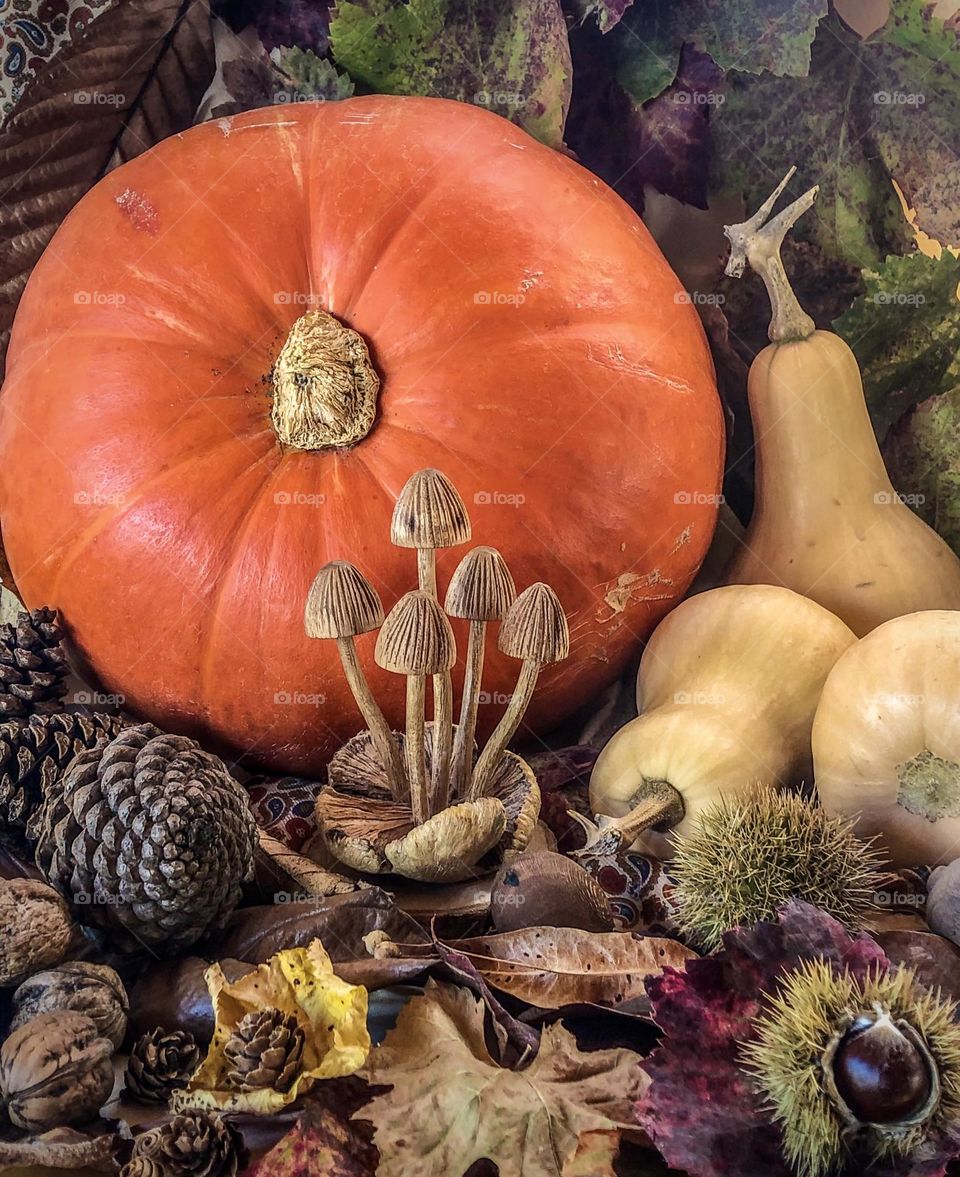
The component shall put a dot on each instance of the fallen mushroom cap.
(416, 638)
(369, 832)
(535, 627)
(341, 603)
(481, 588)
(429, 513)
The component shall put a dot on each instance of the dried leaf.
(340, 922)
(293, 877)
(512, 58)
(596, 1152)
(134, 77)
(61, 1149)
(701, 1110)
(467, 1108)
(297, 981)
(10, 605)
(551, 967)
(325, 1140)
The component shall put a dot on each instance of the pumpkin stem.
(759, 244)
(324, 385)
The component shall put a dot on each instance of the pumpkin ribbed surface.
(525, 336)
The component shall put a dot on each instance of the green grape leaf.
(905, 333)
(513, 59)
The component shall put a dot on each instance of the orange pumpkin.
(530, 341)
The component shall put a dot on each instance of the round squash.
(239, 346)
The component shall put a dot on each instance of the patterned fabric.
(31, 32)
(283, 808)
(640, 890)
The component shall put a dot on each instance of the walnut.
(55, 1071)
(91, 989)
(35, 929)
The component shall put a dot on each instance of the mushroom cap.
(482, 588)
(341, 603)
(535, 627)
(416, 637)
(446, 846)
(429, 513)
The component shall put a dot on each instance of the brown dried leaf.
(134, 77)
(340, 922)
(293, 876)
(467, 1108)
(935, 959)
(553, 967)
(596, 1152)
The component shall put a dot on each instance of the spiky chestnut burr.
(870, 1066)
(749, 856)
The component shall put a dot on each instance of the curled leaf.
(299, 982)
(553, 967)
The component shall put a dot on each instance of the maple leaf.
(467, 1108)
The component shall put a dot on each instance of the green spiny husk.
(749, 856)
(815, 1004)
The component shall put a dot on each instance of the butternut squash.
(827, 520)
(727, 690)
(886, 738)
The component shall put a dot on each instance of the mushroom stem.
(416, 767)
(383, 740)
(496, 745)
(442, 741)
(754, 243)
(427, 570)
(466, 732)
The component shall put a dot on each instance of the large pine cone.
(150, 836)
(33, 754)
(33, 665)
(161, 1063)
(265, 1050)
(195, 1144)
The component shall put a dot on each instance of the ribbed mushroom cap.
(341, 603)
(535, 627)
(429, 513)
(416, 637)
(482, 588)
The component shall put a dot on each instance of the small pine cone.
(34, 753)
(161, 1063)
(265, 1050)
(194, 1144)
(150, 837)
(33, 665)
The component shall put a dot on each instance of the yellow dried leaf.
(298, 981)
